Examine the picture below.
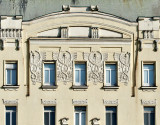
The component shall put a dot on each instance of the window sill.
(10, 87)
(148, 87)
(47, 87)
(110, 88)
(80, 88)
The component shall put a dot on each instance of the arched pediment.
(82, 23)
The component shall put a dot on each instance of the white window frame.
(11, 84)
(149, 112)
(10, 112)
(110, 84)
(79, 69)
(44, 69)
(49, 112)
(148, 84)
(111, 112)
(80, 116)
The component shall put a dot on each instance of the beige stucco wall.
(129, 107)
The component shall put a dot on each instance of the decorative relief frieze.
(95, 66)
(79, 102)
(36, 66)
(64, 121)
(10, 102)
(95, 32)
(64, 65)
(95, 121)
(148, 102)
(45, 102)
(123, 66)
(11, 33)
(110, 102)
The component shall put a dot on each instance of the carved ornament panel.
(123, 66)
(95, 66)
(64, 65)
(36, 66)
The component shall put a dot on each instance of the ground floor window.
(80, 115)
(149, 116)
(10, 115)
(49, 115)
(111, 115)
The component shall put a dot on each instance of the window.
(149, 116)
(111, 74)
(80, 74)
(10, 115)
(49, 115)
(111, 115)
(49, 74)
(11, 74)
(80, 115)
(148, 75)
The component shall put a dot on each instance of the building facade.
(79, 67)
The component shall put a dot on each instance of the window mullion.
(10, 118)
(80, 76)
(79, 118)
(10, 77)
(110, 77)
(148, 77)
(49, 118)
(49, 76)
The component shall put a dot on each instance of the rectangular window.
(149, 116)
(148, 75)
(80, 115)
(49, 74)
(10, 115)
(111, 74)
(11, 73)
(80, 74)
(49, 115)
(111, 115)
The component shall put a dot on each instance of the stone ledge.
(49, 87)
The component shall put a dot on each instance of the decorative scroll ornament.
(95, 66)
(64, 65)
(123, 66)
(36, 66)
(64, 121)
(95, 121)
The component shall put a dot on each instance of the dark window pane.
(49, 108)
(14, 118)
(114, 119)
(77, 119)
(46, 118)
(152, 118)
(80, 108)
(83, 118)
(7, 118)
(52, 118)
(108, 117)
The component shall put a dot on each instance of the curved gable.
(73, 23)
